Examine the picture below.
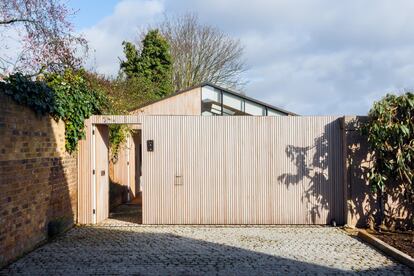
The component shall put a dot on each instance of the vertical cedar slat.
(102, 178)
(85, 176)
(242, 170)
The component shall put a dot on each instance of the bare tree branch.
(15, 20)
(44, 39)
(202, 53)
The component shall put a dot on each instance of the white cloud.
(11, 47)
(107, 36)
(311, 57)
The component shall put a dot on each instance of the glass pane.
(211, 103)
(254, 109)
(210, 94)
(272, 112)
(232, 101)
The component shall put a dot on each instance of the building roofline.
(247, 98)
(167, 97)
(223, 89)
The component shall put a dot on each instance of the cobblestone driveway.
(125, 248)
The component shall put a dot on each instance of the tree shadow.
(316, 173)
(118, 250)
(362, 202)
(399, 208)
(363, 205)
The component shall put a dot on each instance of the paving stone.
(123, 248)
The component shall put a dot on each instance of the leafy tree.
(153, 63)
(124, 94)
(390, 133)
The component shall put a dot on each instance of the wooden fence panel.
(242, 170)
(85, 167)
(123, 166)
(102, 172)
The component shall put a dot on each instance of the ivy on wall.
(117, 137)
(34, 94)
(65, 96)
(74, 102)
(123, 95)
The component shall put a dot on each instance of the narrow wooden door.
(101, 172)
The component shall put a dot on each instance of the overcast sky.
(309, 57)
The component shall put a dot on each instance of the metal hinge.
(93, 132)
(93, 211)
(93, 171)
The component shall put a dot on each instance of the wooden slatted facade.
(243, 170)
(188, 103)
(123, 169)
(101, 173)
(85, 177)
(115, 119)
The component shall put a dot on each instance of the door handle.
(178, 180)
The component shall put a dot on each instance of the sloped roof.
(225, 90)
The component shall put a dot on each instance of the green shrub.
(390, 133)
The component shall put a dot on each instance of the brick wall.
(38, 179)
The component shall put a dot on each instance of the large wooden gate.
(242, 170)
(224, 170)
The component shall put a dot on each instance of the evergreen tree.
(130, 65)
(153, 64)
